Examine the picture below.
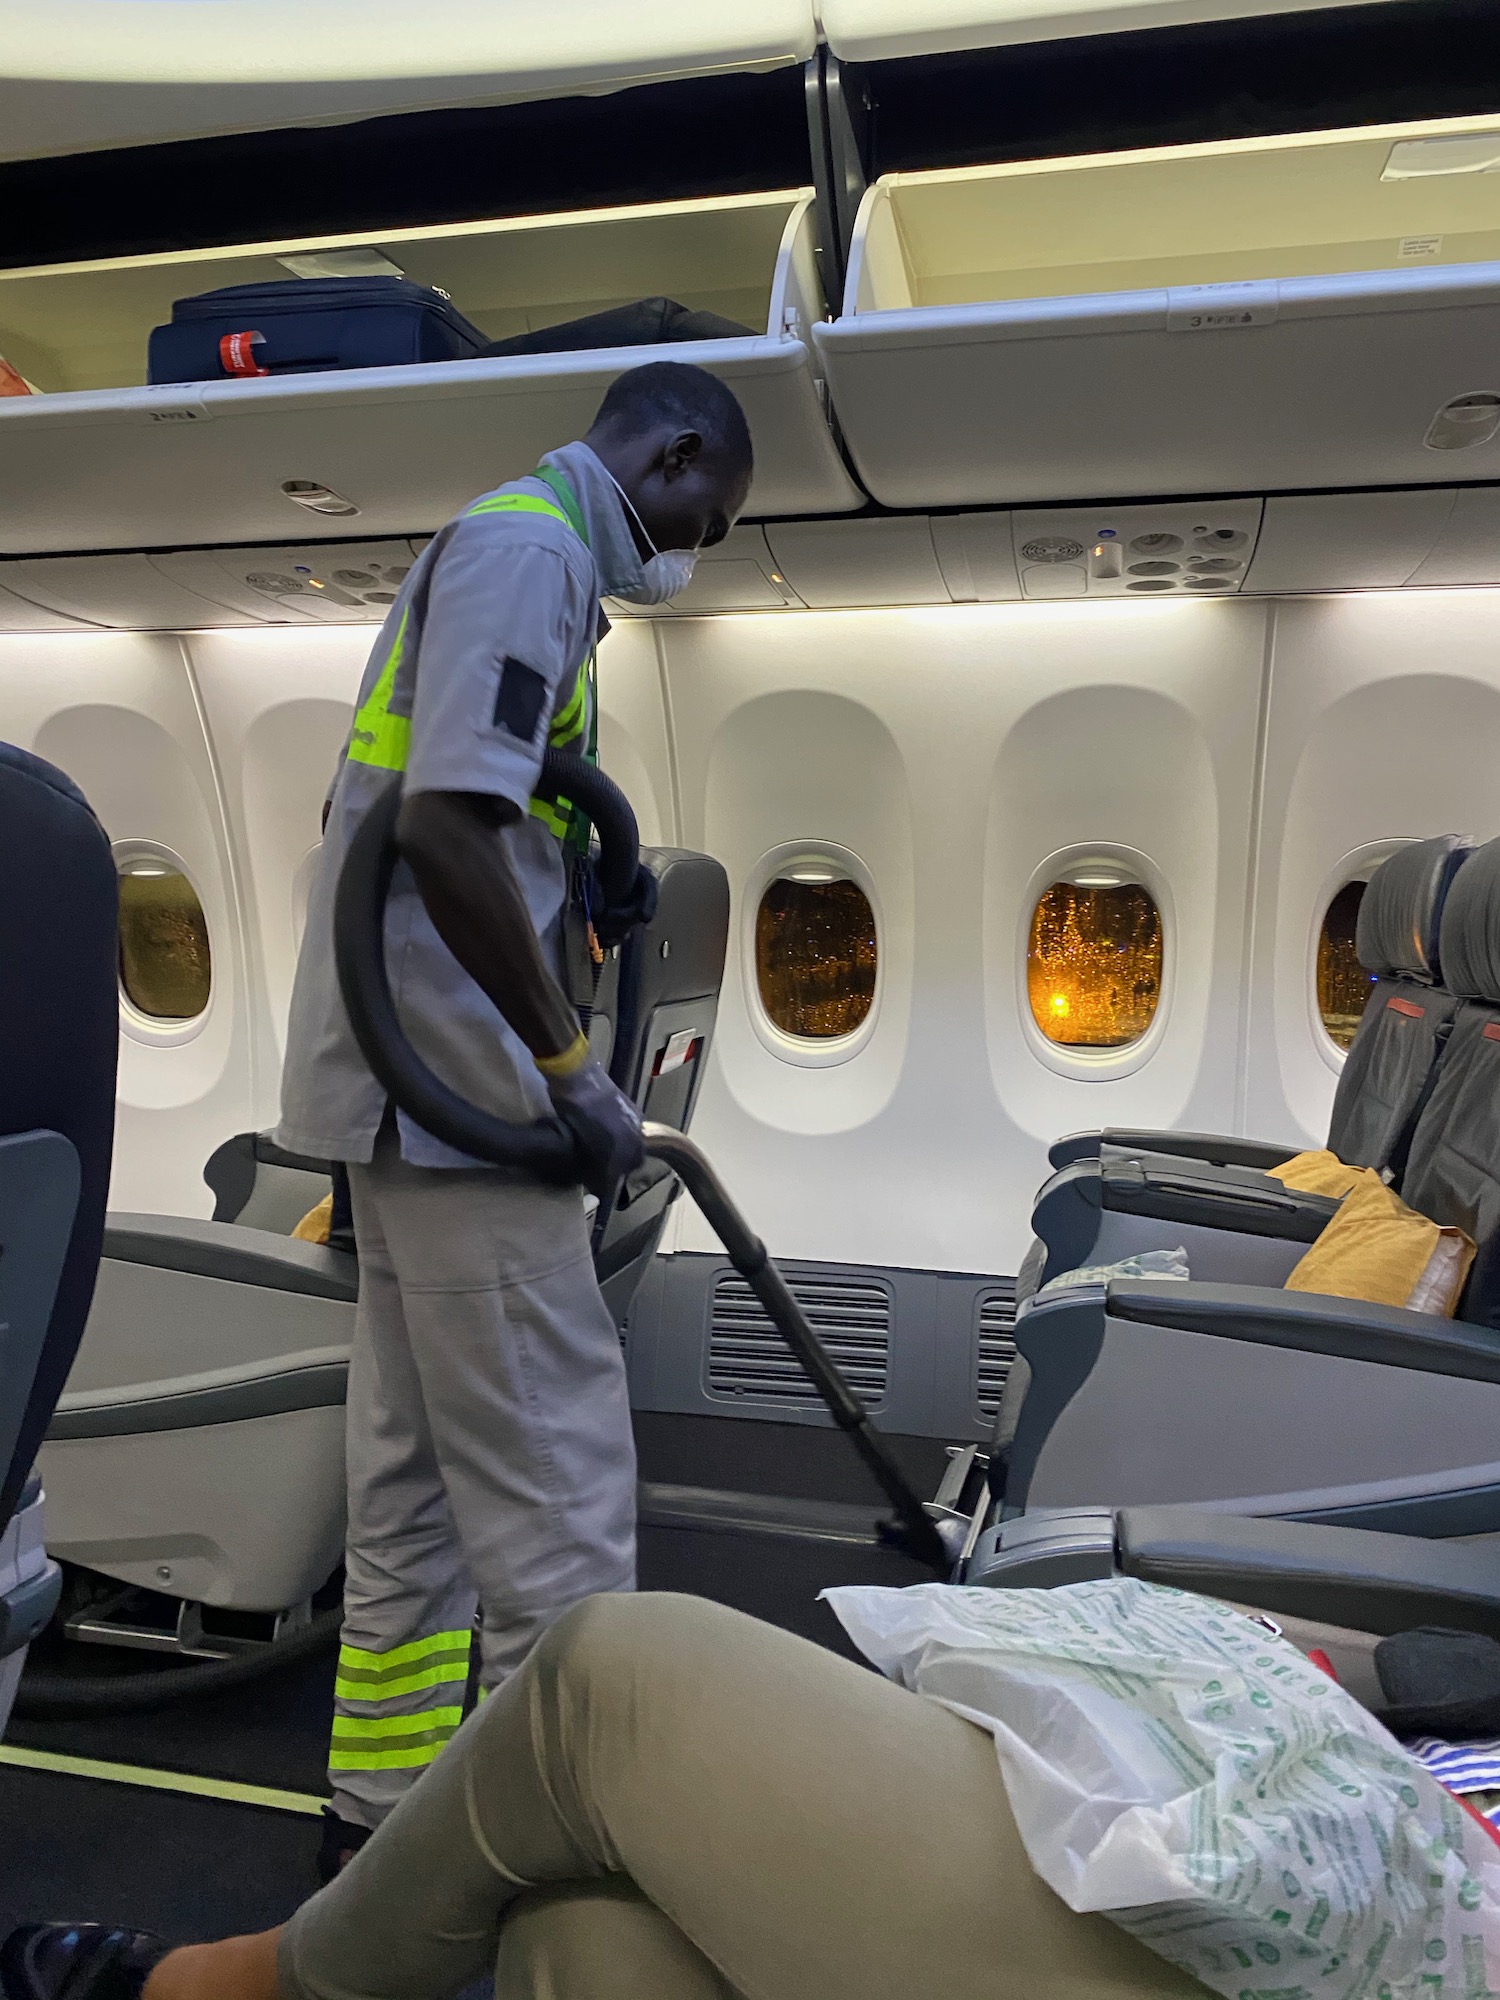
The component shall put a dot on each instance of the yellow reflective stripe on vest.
(519, 503)
(378, 737)
(383, 740)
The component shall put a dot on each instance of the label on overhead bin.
(1420, 246)
(1220, 308)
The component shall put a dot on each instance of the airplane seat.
(59, 1024)
(260, 1185)
(662, 998)
(198, 1453)
(1117, 1191)
(1124, 1342)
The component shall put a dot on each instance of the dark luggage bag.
(307, 325)
(646, 323)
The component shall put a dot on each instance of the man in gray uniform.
(490, 1454)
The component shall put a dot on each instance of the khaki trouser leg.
(814, 1832)
(489, 1450)
(599, 1941)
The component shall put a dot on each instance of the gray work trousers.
(672, 1801)
(490, 1456)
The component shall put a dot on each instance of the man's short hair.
(675, 392)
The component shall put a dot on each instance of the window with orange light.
(816, 952)
(166, 966)
(1343, 983)
(1094, 962)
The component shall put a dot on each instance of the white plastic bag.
(1173, 1765)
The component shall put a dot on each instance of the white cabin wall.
(952, 751)
(1383, 725)
(119, 713)
(277, 705)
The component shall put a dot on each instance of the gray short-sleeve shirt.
(487, 637)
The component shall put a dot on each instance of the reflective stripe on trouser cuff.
(425, 1663)
(391, 1742)
(423, 1650)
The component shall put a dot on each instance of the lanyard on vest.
(383, 740)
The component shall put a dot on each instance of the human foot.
(240, 1968)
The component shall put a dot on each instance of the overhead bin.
(1427, 538)
(105, 463)
(81, 74)
(874, 30)
(1303, 311)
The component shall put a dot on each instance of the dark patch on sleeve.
(519, 700)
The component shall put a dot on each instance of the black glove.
(613, 922)
(603, 1120)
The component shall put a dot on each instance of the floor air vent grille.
(748, 1357)
(994, 1347)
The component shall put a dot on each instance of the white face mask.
(662, 576)
(665, 571)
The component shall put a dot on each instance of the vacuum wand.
(918, 1531)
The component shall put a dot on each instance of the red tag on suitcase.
(237, 354)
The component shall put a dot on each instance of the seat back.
(662, 999)
(260, 1185)
(1453, 1170)
(59, 1030)
(1407, 1016)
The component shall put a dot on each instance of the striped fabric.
(1464, 1767)
(395, 1710)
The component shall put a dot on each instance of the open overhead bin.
(80, 74)
(1304, 311)
(102, 462)
(874, 30)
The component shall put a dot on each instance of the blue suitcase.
(305, 325)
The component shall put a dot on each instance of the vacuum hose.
(545, 1150)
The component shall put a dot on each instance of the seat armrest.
(1368, 1582)
(233, 1254)
(312, 1379)
(1074, 1146)
(1206, 1196)
(1219, 1149)
(1313, 1322)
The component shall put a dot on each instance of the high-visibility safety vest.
(383, 740)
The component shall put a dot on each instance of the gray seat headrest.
(1471, 928)
(1401, 913)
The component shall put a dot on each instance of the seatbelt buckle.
(237, 353)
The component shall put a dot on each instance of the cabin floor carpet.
(82, 1849)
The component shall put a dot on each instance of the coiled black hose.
(48, 1697)
(544, 1150)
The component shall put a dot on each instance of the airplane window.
(1094, 961)
(1343, 983)
(165, 963)
(815, 951)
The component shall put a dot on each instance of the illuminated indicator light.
(313, 584)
